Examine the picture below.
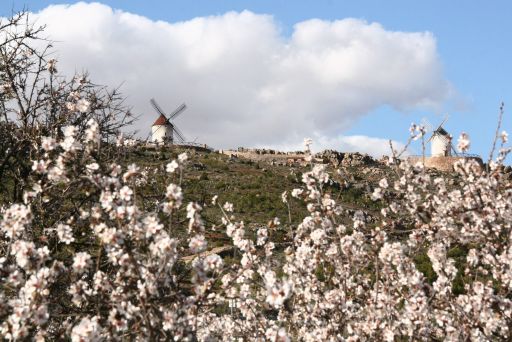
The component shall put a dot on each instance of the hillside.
(255, 187)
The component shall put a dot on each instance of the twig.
(500, 120)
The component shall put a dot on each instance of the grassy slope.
(254, 188)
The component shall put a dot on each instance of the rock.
(199, 166)
(357, 159)
(359, 186)
(329, 157)
(344, 158)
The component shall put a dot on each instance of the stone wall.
(441, 163)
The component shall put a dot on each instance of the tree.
(35, 101)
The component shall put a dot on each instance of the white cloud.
(376, 147)
(244, 82)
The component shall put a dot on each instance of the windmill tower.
(441, 142)
(163, 130)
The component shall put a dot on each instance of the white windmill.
(440, 141)
(163, 130)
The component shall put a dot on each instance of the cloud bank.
(245, 83)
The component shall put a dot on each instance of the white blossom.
(65, 233)
(197, 244)
(213, 262)
(81, 262)
(182, 157)
(125, 193)
(463, 142)
(92, 133)
(172, 166)
(297, 192)
(504, 137)
(93, 167)
(48, 143)
(83, 105)
(88, 329)
(69, 131)
(228, 207)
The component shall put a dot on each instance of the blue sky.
(472, 46)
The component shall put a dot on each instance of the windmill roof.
(441, 131)
(161, 121)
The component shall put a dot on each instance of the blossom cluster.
(114, 269)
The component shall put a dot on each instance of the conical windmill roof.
(161, 121)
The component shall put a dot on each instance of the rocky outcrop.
(345, 159)
(357, 159)
(329, 157)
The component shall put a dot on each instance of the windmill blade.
(438, 127)
(431, 136)
(148, 137)
(428, 127)
(455, 151)
(157, 107)
(180, 135)
(442, 122)
(425, 123)
(177, 111)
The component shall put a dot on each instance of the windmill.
(163, 130)
(440, 140)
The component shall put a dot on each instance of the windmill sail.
(157, 107)
(178, 111)
(178, 133)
